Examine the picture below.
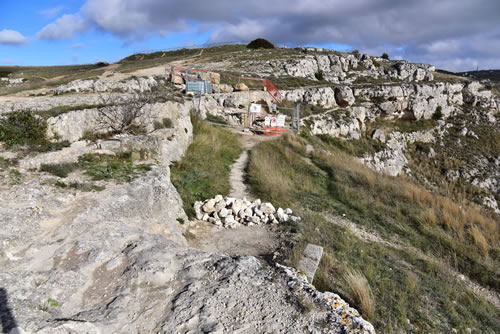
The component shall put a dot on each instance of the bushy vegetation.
(319, 75)
(204, 170)
(61, 170)
(438, 114)
(260, 43)
(22, 128)
(4, 73)
(385, 56)
(295, 82)
(27, 128)
(405, 126)
(120, 168)
(427, 237)
(166, 123)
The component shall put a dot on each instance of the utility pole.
(297, 118)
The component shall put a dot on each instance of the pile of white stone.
(232, 212)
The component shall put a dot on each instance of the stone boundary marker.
(310, 261)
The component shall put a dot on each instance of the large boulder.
(241, 87)
(344, 96)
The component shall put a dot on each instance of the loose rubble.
(230, 212)
(341, 314)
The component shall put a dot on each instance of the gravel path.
(237, 175)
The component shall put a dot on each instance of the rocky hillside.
(96, 238)
(358, 93)
(94, 233)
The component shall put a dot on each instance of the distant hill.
(493, 75)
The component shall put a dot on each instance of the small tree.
(320, 75)
(385, 56)
(355, 52)
(438, 114)
(126, 113)
(260, 43)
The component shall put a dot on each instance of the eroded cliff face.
(339, 68)
(350, 110)
(77, 248)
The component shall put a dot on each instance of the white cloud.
(77, 46)
(12, 37)
(51, 12)
(446, 31)
(64, 28)
(443, 46)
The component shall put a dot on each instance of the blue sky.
(451, 34)
(92, 46)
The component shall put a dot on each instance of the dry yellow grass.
(361, 292)
(418, 194)
(428, 216)
(273, 179)
(479, 240)
(452, 216)
(358, 171)
(398, 210)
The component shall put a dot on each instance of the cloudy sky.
(456, 35)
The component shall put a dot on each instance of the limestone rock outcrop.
(139, 84)
(340, 67)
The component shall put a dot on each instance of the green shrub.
(438, 114)
(15, 176)
(375, 63)
(86, 187)
(385, 56)
(50, 146)
(60, 170)
(4, 163)
(319, 75)
(4, 73)
(93, 136)
(22, 128)
(107, 167)
(260, 43)
(166, 123)
(355, 52)
(216, 119)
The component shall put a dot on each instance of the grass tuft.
(361, 292)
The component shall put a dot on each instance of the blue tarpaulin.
(202, 87)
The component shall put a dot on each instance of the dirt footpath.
(258, 241)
